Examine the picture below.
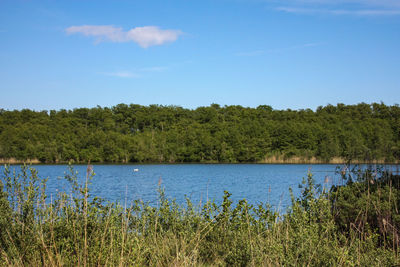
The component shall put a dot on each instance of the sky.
(293, 54)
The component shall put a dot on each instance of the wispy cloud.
(276, 50)
(360, 3)
(339, 7)
(144, 36)
(135, 73)
(252, 53)
(356, 12)
(122, 74)
(154, 69)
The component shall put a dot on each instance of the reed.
(282, 159)
(77, 229)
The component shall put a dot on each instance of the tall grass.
(77, 229)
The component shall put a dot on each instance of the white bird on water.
(135, 170)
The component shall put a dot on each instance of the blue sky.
(287, 54)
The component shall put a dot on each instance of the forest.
(226, 134)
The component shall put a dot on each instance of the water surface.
(199, 182)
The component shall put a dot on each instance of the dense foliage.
(135, 133)
(369, 205)
(319, 229)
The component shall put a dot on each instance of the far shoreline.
(269, 161)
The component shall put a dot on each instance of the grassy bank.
(271, 159)
(17, 161)
(353, 225)
(281, 159)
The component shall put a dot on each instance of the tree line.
(156, 133)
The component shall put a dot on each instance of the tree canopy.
(155, 133)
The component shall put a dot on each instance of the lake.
(199, 182)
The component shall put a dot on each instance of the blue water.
(199, 182)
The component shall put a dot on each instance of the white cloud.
(356, 12)
(151, 35)
(366, 12)
(122, 74)
(153, 69)
(339, 7)
(252, 53)
(144, 36)
(277, 50)
(359, 3)
(134, 73)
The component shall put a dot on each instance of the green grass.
(77, 229)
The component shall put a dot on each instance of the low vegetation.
(352, 225)
(135, 133)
